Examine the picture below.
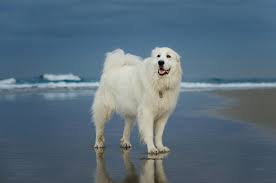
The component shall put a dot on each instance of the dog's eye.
(158, 56)
(168, 56)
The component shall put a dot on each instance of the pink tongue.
(161, 71)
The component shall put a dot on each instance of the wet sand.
(257, 106)
(50, 139)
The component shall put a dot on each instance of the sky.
(216, 38)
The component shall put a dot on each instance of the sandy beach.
(256, 106)
(50, 139)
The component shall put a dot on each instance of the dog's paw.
(163, 149)
(125, 144)
(159, 156)
(153, 150)
(99, 142)
(99, 152)
(99, 145)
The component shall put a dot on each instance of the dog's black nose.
(161, 62)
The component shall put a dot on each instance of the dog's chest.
(165, 101)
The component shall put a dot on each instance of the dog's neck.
(162, 85)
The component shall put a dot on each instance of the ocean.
(71, 82)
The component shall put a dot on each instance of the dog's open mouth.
(162, 71)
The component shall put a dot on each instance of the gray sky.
(224, 39)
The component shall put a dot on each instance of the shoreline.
(255, 106)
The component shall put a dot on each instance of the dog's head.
(166, 61)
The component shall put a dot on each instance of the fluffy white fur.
(136, 90)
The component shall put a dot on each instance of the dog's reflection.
(152, 170)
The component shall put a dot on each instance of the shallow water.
(50, 140)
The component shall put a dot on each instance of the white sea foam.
(49, 85)
(185, 86)
(61, 77)
(7, 81)
(216, 86)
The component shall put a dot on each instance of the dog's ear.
(178, 57)
(154, 51)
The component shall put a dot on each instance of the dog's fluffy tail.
(118, 58)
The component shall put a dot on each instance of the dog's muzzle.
(162, 71)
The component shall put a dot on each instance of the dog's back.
(118, 58)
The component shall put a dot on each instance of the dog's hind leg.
(125, 140)
(102, 111)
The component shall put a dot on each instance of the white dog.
(145, 91)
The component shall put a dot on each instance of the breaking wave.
(70, 82)
(61, 77)
(7, 81)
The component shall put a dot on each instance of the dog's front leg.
(145, 124)
(159, 129)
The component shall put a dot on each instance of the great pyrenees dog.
(139, 90)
